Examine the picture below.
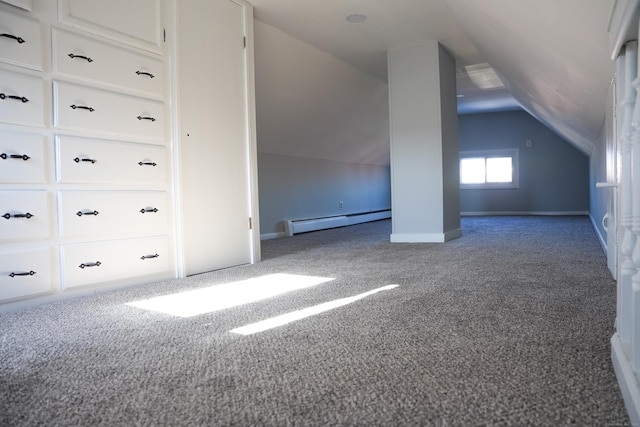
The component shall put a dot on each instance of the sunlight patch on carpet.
(228, 295)
(284, 319)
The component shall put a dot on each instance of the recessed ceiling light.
(460, 95)
(356, 18)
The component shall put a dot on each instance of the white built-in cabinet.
(90, 147)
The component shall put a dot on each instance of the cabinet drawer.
(112, 213)
(25, 273)
(98, 161)
(141, 24)
(24, 216)
(22, 158)
(85, 108)
(21, 41)
(93, 60)
(21, 99)
(96, 262)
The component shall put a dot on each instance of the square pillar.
(425, 168)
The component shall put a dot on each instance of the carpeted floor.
(507, 326)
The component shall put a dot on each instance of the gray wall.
(554, 175)
(298, 188)
(322, 130)
(311, 104)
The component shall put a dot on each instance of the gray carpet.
(508, 325)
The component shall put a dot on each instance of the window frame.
(514, 153)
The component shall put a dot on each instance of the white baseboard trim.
(368, 217)
(426, 237)
(295, 226)
(80, 292)
(269, 236)
(627, 380)
(601, 238)
(526, 213)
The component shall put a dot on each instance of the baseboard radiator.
(296, 226)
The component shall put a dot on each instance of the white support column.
(635, 228)
(627, 70)
(425, 181)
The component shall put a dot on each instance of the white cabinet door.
(21, 99)
(24, 273)
(22, 158)
(97, 262)
(24, 216)
(138, 22)
(83, 160)
(20, 41)
(90, 214)
(214, 140)
(95, 61)
(85, 108)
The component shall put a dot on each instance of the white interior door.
(214, 140)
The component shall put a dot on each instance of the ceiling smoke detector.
(356, 18)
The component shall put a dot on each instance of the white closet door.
(214, 140)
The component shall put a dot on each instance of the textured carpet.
(508, 325)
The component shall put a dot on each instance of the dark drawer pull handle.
(9, 216)
(19, 98)
(147, 164)
(149, 256)
(82, 107)
(145, 210)
(90, 264)
(144, 73)
(11, 36)
(87, 213)
(147, 118)
(26, 273)
(72, 56)
(78, 160)
(6, 156)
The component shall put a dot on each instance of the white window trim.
(514, 153)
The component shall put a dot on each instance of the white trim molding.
(526, 213)
(627, 380)
(426, 237)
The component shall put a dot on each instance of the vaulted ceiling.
(549, 57)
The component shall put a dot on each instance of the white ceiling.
(551, 55)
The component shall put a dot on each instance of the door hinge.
(250, 223)
(164, 34)
(244, 42)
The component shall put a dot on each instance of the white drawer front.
(22, 158)
(85, 108)
(25, 273)
(142, 25)
(86, 58)
(112, 213)
(21, 99)
(24, 216)
(97, 161)
(21, 41)
(97, 262)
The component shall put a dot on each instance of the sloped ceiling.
(551, 56)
